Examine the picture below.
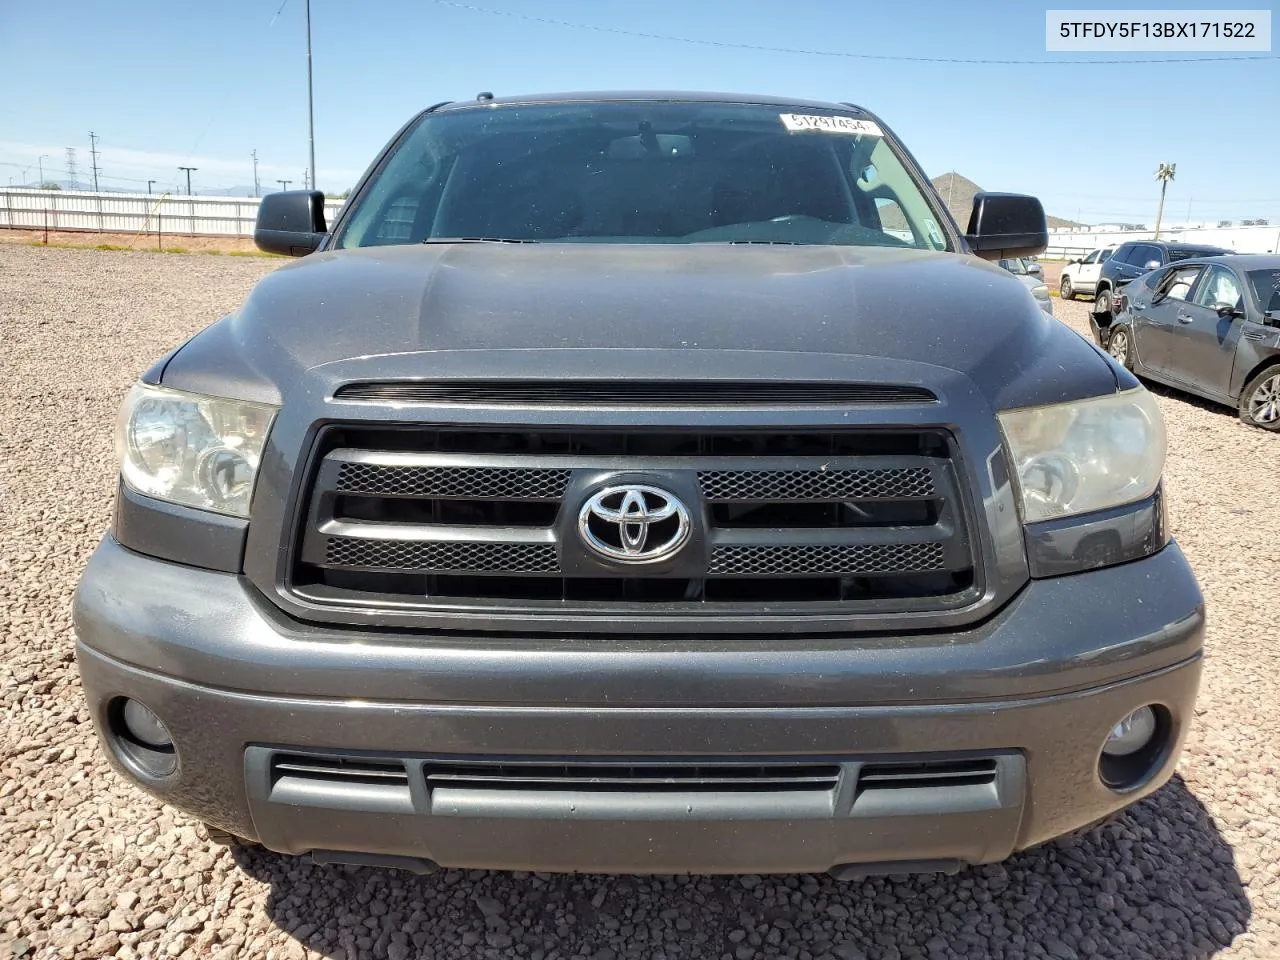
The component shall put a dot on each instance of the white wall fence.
(1068, 244)
(167, 214)
(171, 214)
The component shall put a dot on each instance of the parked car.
(1208, 326)
(1080, 276)
(613, 488)
(1132, 260)
(1033, 267)
(1018, 267)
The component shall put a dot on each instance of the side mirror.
(1152, 265)
(290, 222)
(1225, 310)
(1006, 225)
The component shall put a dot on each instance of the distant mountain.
(957, 193)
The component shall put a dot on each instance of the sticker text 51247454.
(804, 123)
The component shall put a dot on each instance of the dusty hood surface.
(652, 311)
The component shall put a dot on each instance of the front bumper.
(1037, 688)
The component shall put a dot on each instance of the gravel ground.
(90, 867)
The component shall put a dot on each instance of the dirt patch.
(169, 242)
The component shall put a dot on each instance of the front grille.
(462, 483)
(904, 483)
(643, 393)
(439, 519)
(860, 559)
(442, 557)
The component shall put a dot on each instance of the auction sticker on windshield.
(802, 123)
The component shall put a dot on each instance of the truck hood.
(651, 311)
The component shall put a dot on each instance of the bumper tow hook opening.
(418, 865)
(889, 868)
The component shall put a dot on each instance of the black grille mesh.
(820, 485)
(458, 556)
(500, 483)
(826, 559)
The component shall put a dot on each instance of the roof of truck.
(653, 95)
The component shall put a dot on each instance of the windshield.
(644, 172)
(1184, 253)
(1266, 289)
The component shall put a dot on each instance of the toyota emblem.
(634, 524)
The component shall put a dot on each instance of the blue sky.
(166, 84)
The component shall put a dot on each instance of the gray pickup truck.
(642, 483)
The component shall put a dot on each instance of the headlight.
(198, 451)
(1040, 292)
(1087, 455)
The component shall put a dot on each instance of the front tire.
(1260, 400)
(1102, 304)
(1066, 290)
(1120, 346)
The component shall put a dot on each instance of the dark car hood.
(653, 311)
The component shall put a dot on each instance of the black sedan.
(1208, 326)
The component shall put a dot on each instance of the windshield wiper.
(476, 240)
(773, 243)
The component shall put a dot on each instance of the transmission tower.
(71, 168)
(93, 153)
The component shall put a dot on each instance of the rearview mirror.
(290, 222)
(1006, 225)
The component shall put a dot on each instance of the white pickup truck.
(1081, 276)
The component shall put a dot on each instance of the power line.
(763, 48)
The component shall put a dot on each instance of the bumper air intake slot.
(934, 786)
(605, 778)
(313, 780)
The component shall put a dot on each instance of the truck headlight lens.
(1040, 292)
(197, 451)
(1086, 455)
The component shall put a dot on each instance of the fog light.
(1131, 734)
(141, 723)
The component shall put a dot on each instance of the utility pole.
(311, 113)
(71, 168)
(40, 162)
(306, 178)
(1164, 173)
(256, 191)
(284, 184)
(93, 153)
(188, 170)
(149, 183)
